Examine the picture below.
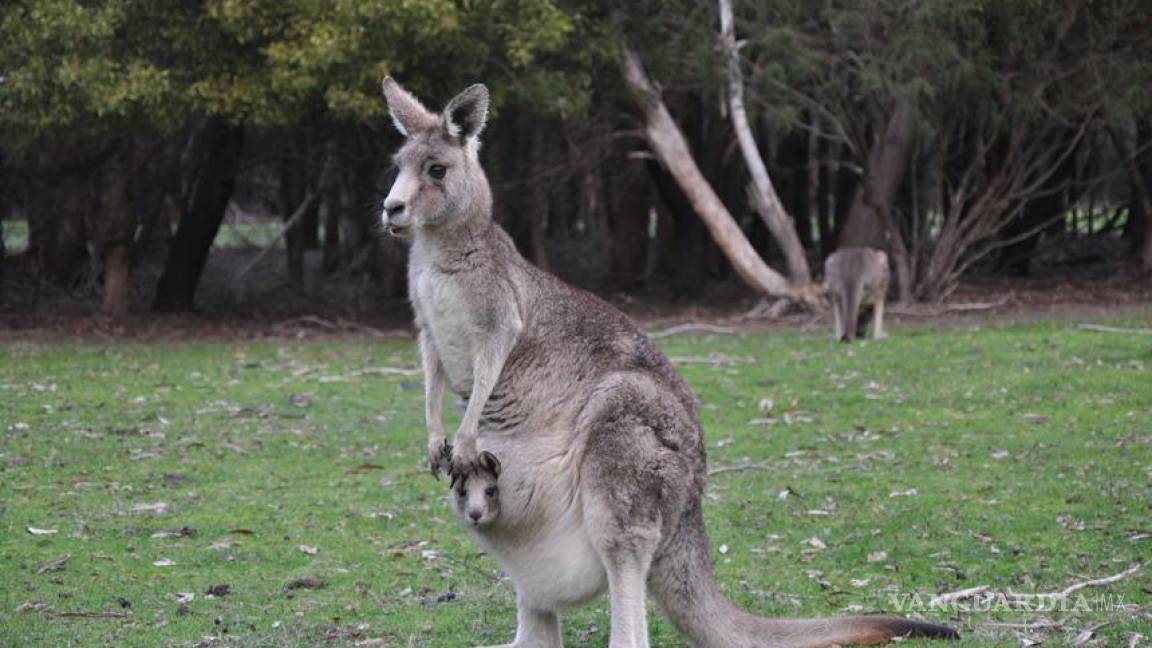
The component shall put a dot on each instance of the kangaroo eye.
(437, 171)
(490, 491)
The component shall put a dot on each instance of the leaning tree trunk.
(763, 195)
(870, 222)
(667, 143)
(201, 221)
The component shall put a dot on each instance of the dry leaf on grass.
(54, 566)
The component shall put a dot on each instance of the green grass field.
(1016, 457)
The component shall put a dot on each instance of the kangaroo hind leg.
(633, 484)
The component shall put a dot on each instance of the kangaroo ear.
(466, 114)
(490, 463)
(408, 114)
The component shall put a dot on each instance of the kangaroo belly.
(557, 568)
(540, 539)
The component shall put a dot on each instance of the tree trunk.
(667, 142)
(113, 239)
(1139, 169)
(887, 161)
(199, 224)
(870, 223)
(536, 202)
(57, 213)
(763, 194)
(301, 234)
(681, 236)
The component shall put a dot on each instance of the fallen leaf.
(300, 400)
(310, 550)
(219, 590)
(787, 492)
(163, 562)
(911, 492)
(815, 543)
(860, 582)
(149, 507)
(1000, 454)
(32, 606)
(35, 531)
(766, 406)
(878, 556)
(182, 532)
(723, 549)
(184, 597)
(356, 470)
(54, 566)
(241, 531)
(305, 583)
(1084, 637)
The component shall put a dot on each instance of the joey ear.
(490, 463)
(466, 114)
(408, 114)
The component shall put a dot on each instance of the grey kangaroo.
(594, 437)
(856, 279)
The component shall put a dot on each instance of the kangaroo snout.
(396, 217)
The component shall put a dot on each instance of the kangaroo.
(856, 278)
(594, 437)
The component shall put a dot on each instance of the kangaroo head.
(440, 183)
(478, 494)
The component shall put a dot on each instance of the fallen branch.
(984, 591)
(712, 360)
(1100, 328)
(1097, 582)
(692, 327)
(90, 615)
(740, 467)
(921, 310)
(960, 595)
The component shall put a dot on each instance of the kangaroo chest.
(443, 310)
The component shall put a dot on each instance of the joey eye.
(490, 491)
(437, 171)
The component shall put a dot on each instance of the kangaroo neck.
(455, 246)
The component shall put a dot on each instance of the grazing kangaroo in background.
(857, 278)
(594, 437)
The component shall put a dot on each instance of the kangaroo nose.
(475, 515)
(394, 209)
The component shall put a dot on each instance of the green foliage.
(99, 68)
(1026, 447)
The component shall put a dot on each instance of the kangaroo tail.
(682, 582)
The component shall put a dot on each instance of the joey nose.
(475, 515)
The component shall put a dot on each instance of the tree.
(667, 143)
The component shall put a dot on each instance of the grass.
(1016, 457)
